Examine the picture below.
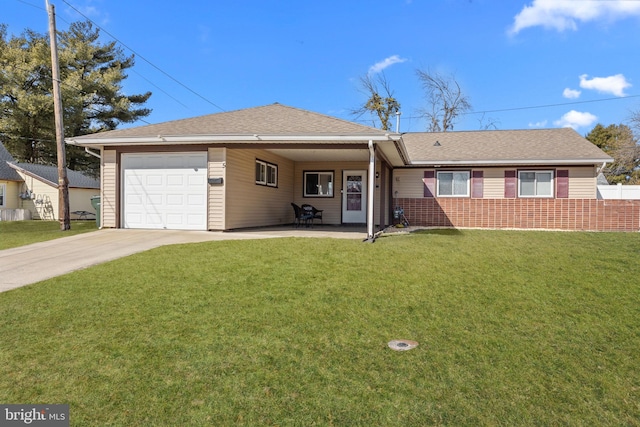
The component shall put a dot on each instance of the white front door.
(354, 196)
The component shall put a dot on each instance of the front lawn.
(514, 328)
(20, 233)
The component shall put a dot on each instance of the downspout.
(86, 149)
(371, 190)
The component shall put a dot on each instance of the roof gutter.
(509, 162)
(203, 139)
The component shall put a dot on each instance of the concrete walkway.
(40, 261)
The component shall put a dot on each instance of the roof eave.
(248, 138)
(517, 162)
(33, 175)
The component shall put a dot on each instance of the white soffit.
(327, 155)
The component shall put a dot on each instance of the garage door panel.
(196, 179)
(134, 199)
(154, 220)
(173, 187)
(175, 200)
(195, 199)
(176, 179)
(154, 180)
(154, 199)
(195, 219)
(134, 218)
(133, 178)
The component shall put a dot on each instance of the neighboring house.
(34, 188)
(244, 169)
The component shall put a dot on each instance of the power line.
(31, 4)
(145, 59)
(531, 107)
(551, 105)
(159, 88)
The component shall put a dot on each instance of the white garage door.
(165, 191)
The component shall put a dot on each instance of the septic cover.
(402, 345)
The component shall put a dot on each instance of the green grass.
(514, 328)
(20, 233)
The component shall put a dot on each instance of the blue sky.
(575, 61)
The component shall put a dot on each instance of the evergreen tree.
(91, 76)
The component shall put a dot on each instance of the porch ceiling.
(385, 149)
(324, 155)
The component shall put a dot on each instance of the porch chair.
(317, 213)
(301, 216)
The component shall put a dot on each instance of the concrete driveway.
(40, 261)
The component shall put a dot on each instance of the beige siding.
(332, 206)
(493, 183)
(582, 182)
(217, 193)
(44, 204)
(407, 183)
(251, 205)
(109, 196)
(11, 198)
(80, 199)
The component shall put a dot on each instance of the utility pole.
(63, 181)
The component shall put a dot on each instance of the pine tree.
(91, 73)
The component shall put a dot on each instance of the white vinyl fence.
(619, 192)
(15, 215)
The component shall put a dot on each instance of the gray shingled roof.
(501, 147)
(7, 173)
(50, 174)
(274, 119)
(477, 147)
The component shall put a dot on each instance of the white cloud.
(565, 15)
(571, 93)
(614, 85)
(385, 63)
(575, 119)
(540, 124)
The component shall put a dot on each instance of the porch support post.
(371, 190)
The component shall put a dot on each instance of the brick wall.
(551, 214)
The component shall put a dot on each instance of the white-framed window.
(3, 192)
(453, 184)
(318, 184)
(266, 173)
(535, 183)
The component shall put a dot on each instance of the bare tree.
(634, 119)
(445, 98)
(380, 102)
(487, 123)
